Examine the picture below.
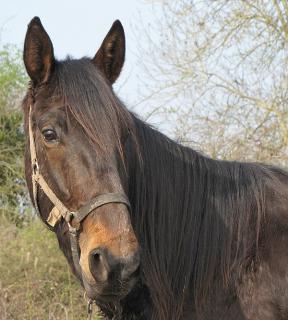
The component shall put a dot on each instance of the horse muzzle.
(114, 277)
(105, 267)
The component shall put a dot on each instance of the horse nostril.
(98, 264)
(131, 265)
(96, 258)
(105, 267)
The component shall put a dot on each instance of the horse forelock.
(93, 103)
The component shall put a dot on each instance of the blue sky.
(77, 28)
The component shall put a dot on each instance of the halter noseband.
(60, 210)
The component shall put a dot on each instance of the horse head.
(78, 131)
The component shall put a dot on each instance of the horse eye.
(49, 135)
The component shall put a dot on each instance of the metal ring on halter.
(69, 217)
(35, 167)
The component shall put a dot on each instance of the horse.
(151, 229)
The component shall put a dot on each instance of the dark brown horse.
(212, 235)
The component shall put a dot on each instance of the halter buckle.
(69, 217)
(35, 167)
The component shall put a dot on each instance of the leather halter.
(60, 210)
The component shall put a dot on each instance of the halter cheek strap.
(60, 210)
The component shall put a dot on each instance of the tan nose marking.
(119, 239)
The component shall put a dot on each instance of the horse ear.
(38, 52)
(110, 57)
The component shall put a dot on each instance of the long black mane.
(199, 221)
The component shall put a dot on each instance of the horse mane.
(88, 97)
(198, 220)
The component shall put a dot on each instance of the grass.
(35, 279)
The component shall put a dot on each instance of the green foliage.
(13, 78)
(12, 84)
(11, 145)
(35, 281)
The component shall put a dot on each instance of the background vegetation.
(12, 83)
(215, 72)
(35, 280)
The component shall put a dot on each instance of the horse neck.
(187, 211)
(160, 191)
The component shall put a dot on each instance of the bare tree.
(218, 70)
